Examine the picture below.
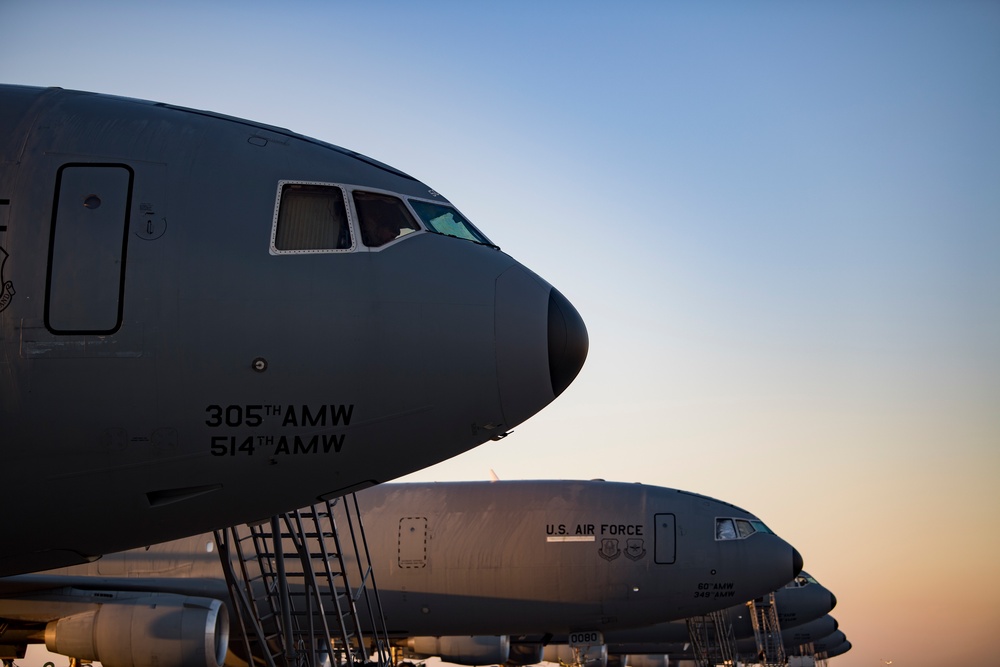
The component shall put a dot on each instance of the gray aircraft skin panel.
(495, 561)
(183, 347)
(798, 603)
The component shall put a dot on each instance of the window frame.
(349, 191)
(408, 199)
(349, 211)
(755, 524)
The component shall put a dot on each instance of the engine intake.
(480, 650)
(659, 660)
(161, 630)
(525, 654)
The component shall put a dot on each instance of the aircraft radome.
(460, 567)
(206, 321)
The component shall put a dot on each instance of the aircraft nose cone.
(541, 343)
(796, 562)
(568, 342)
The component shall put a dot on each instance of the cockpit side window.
(310, 218)
(448, 221)
(802, 580)
(738, 529)
(724, 529)
(746, 530)
(382, 218)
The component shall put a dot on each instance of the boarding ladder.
(804, 655)
(767, 631)
(712, 639)
(301, 594)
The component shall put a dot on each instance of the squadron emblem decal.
(6, 286)
(609, 549)
(634, 548)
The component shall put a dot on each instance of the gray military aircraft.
(810, 632)
(794, 640)
(206, 321)
(835, 643)
(459, 566)
(800, 601)
(798, 642)
(839, 649)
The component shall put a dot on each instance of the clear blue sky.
(780, 221)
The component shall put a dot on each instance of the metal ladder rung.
(293, 579)
(767, 631)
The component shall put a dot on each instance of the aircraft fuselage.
(198, 328)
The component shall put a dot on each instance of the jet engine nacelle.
(479, 650)
(647, 660)
(525, 654)
(592, 656)
(154, 631)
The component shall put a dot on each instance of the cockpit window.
(310, 217)
(738, 529)
(802, 580)
(382, 218)
(724, 529)
(316, 217)
(448, 221)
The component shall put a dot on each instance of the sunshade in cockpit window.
(745, 528)
(311, 218)
(725, 529)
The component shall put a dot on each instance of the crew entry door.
(665, 541)
(412, 545)
(86, 279)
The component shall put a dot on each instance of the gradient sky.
(780, 221)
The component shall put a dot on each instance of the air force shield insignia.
(634, 548)
(609, 549)
(6, 286)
